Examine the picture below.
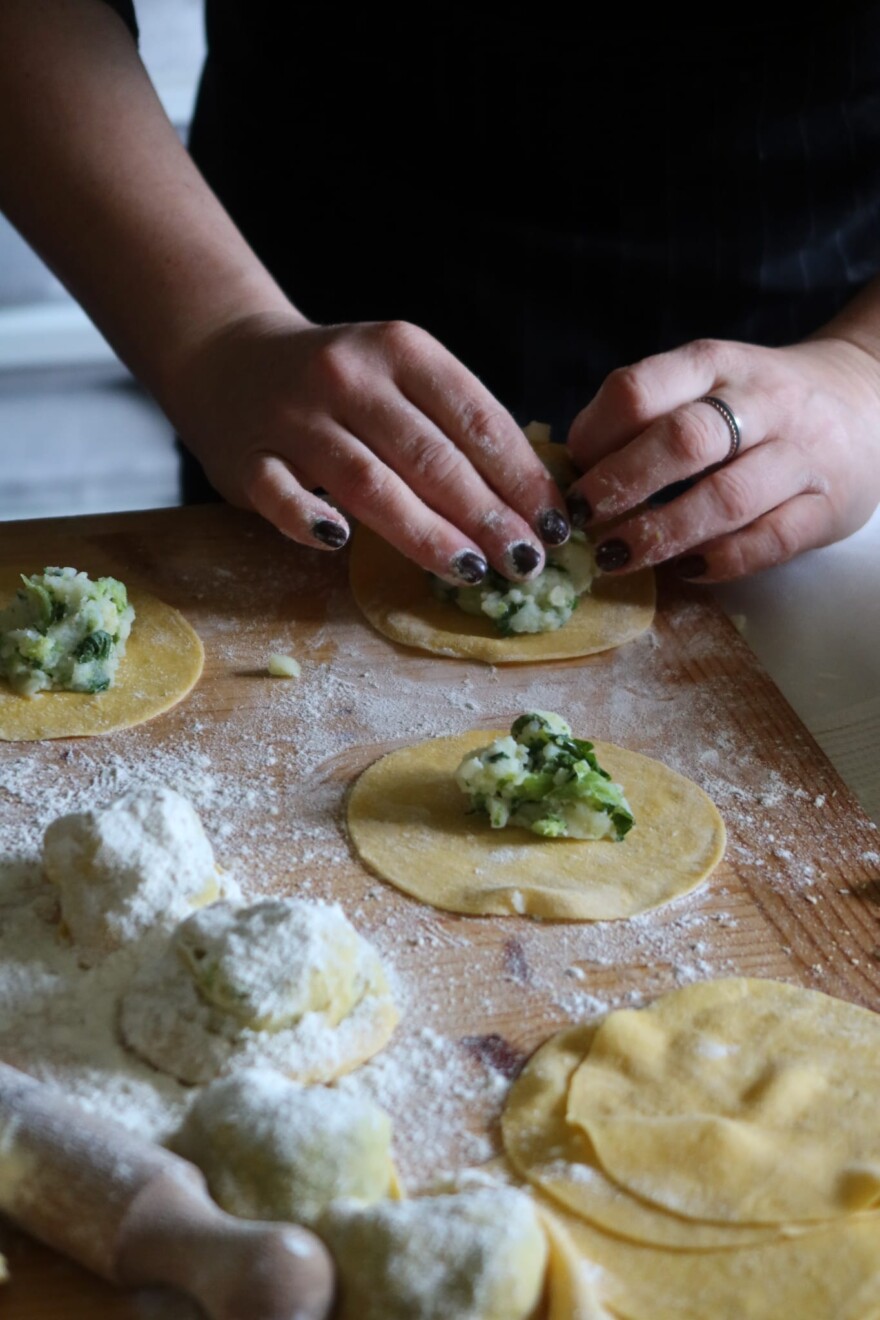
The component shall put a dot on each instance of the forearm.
(857, 322)
(94, 176)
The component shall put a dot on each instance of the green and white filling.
(64, 631)
(543, 779)
(541, 605)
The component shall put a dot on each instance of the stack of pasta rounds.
(715, 1156)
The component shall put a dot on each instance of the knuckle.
(733, 496)
(783, 538)
(434, 464)
(688, 440)
(332, 366)
(480, 425)
(627, 390)
(401, 339)
(363, 481)
(715, 352)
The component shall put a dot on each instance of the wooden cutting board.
(796, 897)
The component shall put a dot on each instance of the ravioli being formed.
(271, 1149)
(409, 823)
(396, 597)
(282, 982)
(474, 1255)
(162, 662)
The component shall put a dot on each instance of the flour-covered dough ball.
(271, 1149)
(283, 982)
(141, 862)
(475, 1255)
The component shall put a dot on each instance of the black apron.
(555, 197)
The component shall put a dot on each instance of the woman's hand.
(807, 472)
(384, 421)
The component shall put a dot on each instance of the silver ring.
(733, 424)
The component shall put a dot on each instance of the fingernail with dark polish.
(331, 533)
(524, 557)
(692, 566)
(552, 527)
(469, 567)
(612, 554)
(579, 511)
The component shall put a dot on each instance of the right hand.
(386, 422)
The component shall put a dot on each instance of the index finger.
(632, 397)
(484, 431)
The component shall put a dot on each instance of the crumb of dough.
(284, 666)
(475, 1255)
(271, 1149)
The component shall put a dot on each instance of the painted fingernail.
(469, 567)
(692, 566)
(524, 557)
(579, 511)
(331, 533)
(552, 527)
(612, 554)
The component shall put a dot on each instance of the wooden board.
(796, 897)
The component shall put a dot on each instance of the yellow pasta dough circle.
(556, 1156)
(162, 663)
(737, 1101)
(394, 594)
(409, 823)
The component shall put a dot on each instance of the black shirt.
(551, 197)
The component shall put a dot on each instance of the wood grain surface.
(795, 898)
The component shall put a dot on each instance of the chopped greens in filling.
(64, 631)
(542, 605)
(542, 778)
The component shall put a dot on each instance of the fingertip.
(330, 532)
(523, 560)
(580, 511)
(553, 527)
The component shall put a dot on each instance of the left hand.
(807, 472)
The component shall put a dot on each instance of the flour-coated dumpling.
(271, 1149)
(284, 982)
(123, 869)
(474, 1255)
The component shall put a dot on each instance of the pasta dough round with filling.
(409, 823)
(140, 863)
(478, 1255)
(395, 596)
(163, 661)
(271, 1149)
(283, 982)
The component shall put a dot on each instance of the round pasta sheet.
(395, 596)
(410, 824)
(830, 1273)
(737, 1101)
(556, 1156)
(162, 663)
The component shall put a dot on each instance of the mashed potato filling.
(544, 604)
(545, 780)
(64, 631)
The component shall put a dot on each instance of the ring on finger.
(733, 424)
